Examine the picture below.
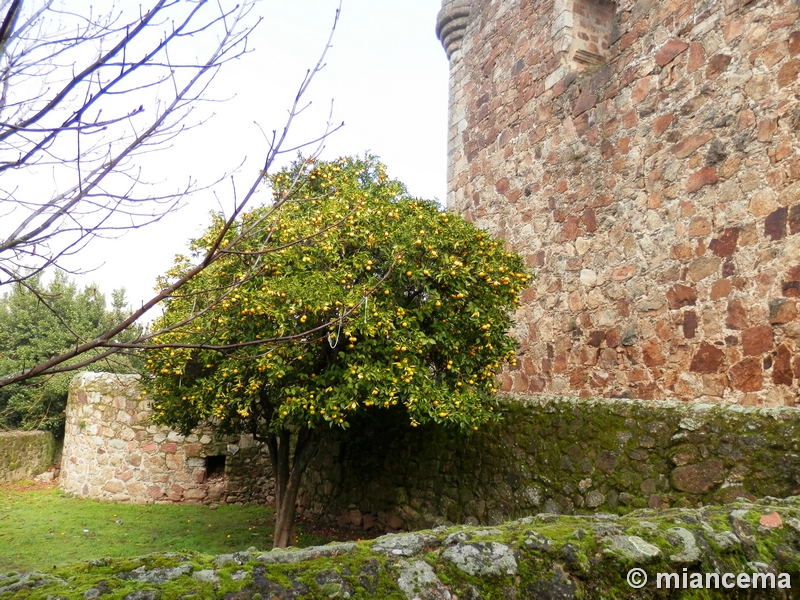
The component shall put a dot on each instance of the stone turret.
(644, 157)
(451, 24)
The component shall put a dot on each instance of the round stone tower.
(644, 157)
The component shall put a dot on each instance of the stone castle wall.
(554, 455)
(25, 454)
(113, 452)
(653, 183)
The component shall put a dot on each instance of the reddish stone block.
(721, 289)
(787, 74)
(681, 295)
(661, 123)
(630, 119)
(608, 359)
(502, 185)
(782, 310)
(699, 478)
(192, 449)
(766, 130)
(794, 219)
(638, 373)
(791, 289)
(149, 446)
(570, 227)
(707, 359)
(536, 384)
(689, 144)
(124, 475)
(725, 245)
(641, 89)
(796, 366)
(169, 447)
(717, 64)
(613, 337)
(782, 366)
(574, 264)
(699, 227)
(699, 179)
(771, 520)
(689, 324)
(589, 219)
(757, 340)
(775, 224)
(583, 103)
(624, 272)
(651, 354)
(577, 379)
(681, 252)
(702, 267)
(794, 43)
(154, 492)
(669, 51)
(746, 375)
(596, 338)
(728, 268)
(697, 57)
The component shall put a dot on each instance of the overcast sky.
(386, 75)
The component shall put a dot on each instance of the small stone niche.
(583, 31)
(215, 467)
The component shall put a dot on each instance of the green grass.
(41, 527)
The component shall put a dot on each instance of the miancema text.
(688, 580)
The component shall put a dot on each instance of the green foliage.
(375, 300)
(31, 333)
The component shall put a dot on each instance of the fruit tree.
(353, 298)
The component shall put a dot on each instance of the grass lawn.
(41, 527)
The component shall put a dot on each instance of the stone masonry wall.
(113, 452)
(25, 454)
(656, 192)
(555, 455)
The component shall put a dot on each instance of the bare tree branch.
(34, 134)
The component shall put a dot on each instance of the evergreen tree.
(37, 326)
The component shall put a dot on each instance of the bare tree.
(77, 104)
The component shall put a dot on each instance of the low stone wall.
(557, 455)
(25, 454)
(112, 451)
(738, 551)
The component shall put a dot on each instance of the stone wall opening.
(583, 31)
(592, 26)
(215, 467)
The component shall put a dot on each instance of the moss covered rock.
(25, 454)
(549, 556)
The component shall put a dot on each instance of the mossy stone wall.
(555, 455)
(25, 454)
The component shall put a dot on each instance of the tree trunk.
(288, 475)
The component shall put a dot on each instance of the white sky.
(387, 76)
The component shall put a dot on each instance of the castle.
(644, 157)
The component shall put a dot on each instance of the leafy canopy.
(379, 299)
